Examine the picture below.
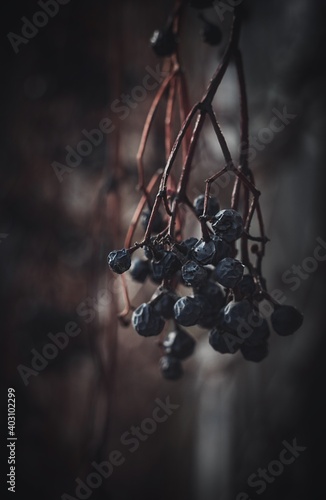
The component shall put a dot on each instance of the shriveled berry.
(213, 293)
(211, 34)
(255, 353)
(158, 222)
(163, 42)
(187, 311)
(228, 272)
(235, 316)
(171, 368)
(166, 267)
(187, 245)
(146, 321)
(223, 341)
(213, 205)
(193, 274)
(204, 252)
(156, 251)
(164, 304)
(257, 334)
(228, 224)
(209, 312)
(119, 260)
(179, 344)
(286, 320)
(140, 270)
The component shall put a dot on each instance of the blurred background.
(58, 221)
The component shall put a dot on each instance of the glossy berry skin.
(164, 304)
(228, 272)
(286, 320)
(213, 205)
(140, 270)
(146, 321)
(187, 311)
(255, 353)
(222, 343)
(171, 368)
(119, 261)
(212, 35)
(228, 224)
(179, 344)
(193, 274)
(158, 222)
(163, 42)
(204, 252)
(166, 267)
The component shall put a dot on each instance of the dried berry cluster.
(222, 299)
(201, 281)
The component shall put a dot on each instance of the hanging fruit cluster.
(225, 290)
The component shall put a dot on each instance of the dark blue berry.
(140, 270)
(213, 205)
(193, 274)
(232, 316)
(228, 272)
(171, 368)
(223, 341)
(163, 304)
(166, 267)
(179, 344)
(119, 260)
(255, 353)
(228, 224)
(186, 246)
(204, 252)
(163, 42)
(211, 34)
(286, 320)
(257, 334)
(246, 286)
(146, 321)
(187, 311)
(213, 293)
(158, 222)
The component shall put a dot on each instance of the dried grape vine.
(224, 291)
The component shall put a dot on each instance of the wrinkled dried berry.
(158, 221)
(246, 286)
(166, 267)
(228, 272)
(193, 274)
(119, 260)
(146, 321)
(228, 224)
(163, 304)
(187, 311)
(204, 252)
